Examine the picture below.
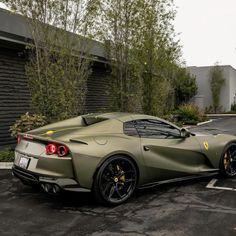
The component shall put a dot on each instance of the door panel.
(172, 158)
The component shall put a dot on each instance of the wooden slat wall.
(97, 96)
(14, 94)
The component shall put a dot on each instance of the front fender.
(213, 146)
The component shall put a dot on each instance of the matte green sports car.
(112, 154)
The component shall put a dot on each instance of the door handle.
(146, 148)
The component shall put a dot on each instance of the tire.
(228, 161)
(115, 180)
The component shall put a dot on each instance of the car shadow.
(73, 202)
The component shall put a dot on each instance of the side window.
(129, 129)
(156, 129)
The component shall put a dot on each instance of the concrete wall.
(232, 86)
(204, 97)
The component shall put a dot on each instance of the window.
(156, 129)
(129, 129)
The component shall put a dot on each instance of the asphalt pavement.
(179, 209)
(225, 125)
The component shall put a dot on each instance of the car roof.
(109, 115)
(122, 116)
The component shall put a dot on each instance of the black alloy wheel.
(115, 181)
(228, 161)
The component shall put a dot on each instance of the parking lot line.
(212, 183)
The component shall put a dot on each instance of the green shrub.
(233, 107)
(190, 114)
(6, 155)
(27, 122)
(212, 110)
(209, 110)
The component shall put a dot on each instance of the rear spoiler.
(35, 137)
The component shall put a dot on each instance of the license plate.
(23, 162)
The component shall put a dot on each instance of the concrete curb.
(6, 165)
(221, 115)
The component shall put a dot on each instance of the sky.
(207, 31)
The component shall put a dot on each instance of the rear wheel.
(115, 181)
(228, 161)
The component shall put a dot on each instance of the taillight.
(18, 139)
(60, 150)
(51, 149)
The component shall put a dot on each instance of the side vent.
(78, 141)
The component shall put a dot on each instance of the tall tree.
(57, 69)
(159, 55)
(141, 46)
(119, 29)
(217, 81)
(185, 86)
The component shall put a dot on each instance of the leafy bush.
(212, 110)
(209, 110)
(216, 81)
(6, 155)
(190, 114)
(185, 86)
(27, 122)
(233, 107)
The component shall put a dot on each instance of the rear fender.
(87, 159)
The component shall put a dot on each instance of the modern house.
(14, 93)
(204, 96)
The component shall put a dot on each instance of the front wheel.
(115, 181)
(228, 161)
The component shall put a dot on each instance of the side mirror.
(184, 133)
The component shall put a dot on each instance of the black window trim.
(164, 132)
(125, 131)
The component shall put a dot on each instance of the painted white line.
(6, 165)
(204, 122)
(212, 183)
(198, 124)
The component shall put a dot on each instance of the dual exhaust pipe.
(50, 188)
